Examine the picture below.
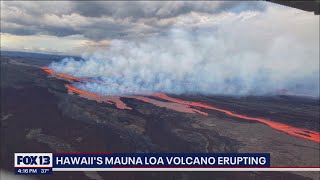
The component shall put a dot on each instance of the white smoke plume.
(235, 54)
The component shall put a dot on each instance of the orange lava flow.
(169, 105)
(294, 131)
(108, 99)
(116, 101)
(121, 105)
(78, 91)
(64, 76)
(69, 77)
(46, 69)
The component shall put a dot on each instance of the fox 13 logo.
(33, 163)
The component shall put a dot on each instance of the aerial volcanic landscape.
(181, 106)
(176, 95)
(52, 111)
(162, 77)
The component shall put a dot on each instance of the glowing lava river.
(182, 106)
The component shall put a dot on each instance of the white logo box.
(45, 156)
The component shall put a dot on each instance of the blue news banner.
(46, 163)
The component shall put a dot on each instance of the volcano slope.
(42, 112)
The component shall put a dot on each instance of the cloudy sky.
(71, 27)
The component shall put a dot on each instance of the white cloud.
(107, 20)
